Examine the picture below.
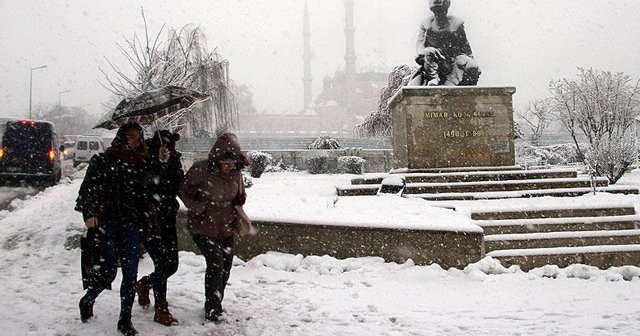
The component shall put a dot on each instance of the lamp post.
(60, 94)
(31, 85)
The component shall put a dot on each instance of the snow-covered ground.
(281, 294)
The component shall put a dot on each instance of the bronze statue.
(444, 53)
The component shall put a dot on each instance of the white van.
(85, 147)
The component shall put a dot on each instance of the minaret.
(306, 78)
(350, 56)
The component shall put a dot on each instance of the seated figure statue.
(444, 53)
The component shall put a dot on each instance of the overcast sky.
(521, 43)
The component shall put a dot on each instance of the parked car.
(30, 151)
(85, 147)
(69, 142)
(67, 151)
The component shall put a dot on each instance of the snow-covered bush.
(258, 162)
(561, 154)
(351, 164)
(318, 165)
(325, 142)
(280, 167)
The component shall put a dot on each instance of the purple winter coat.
(210, 196)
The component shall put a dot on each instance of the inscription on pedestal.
(437, 127)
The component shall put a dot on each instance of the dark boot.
(143, 286)
(212, 310)
(163, 316)
(126, 328)
(86, 309)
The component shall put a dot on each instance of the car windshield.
(27, 136)
(81, 145)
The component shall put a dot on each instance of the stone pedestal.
(438, 127)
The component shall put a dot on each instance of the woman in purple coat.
(211, 190)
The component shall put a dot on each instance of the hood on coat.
(119, 145)
(228, 146)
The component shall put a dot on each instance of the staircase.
(601, 236)
(490, 184)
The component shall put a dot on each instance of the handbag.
(92, 259)
(243, 223)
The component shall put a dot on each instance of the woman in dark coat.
(210, 191)
(162, 241)
(115, 196)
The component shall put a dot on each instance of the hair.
(120, 140)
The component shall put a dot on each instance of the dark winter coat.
(210, 196)
(117, 187)
(166, 176)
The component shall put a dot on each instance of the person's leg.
(128, 246)
(226, 246)
(212, 252)
(155, 250)
(165, 257)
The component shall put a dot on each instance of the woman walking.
(210, 191)
(115, 196)
(162, 241)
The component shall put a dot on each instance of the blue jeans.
(123, 243)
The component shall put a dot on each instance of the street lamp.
(31, 85)
(60, 94)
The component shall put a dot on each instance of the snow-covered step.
(475, 176)
(562, 192)
(528, 225)
(358, 190)
(523, 186)
(559, 212)
(602, 256)
(510, 185)
(560, 239)
(456, 169)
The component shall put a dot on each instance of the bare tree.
(68, 120)
(601, 106)
(183, 61)
(379, 123)
(536, 118)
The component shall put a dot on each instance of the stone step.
(560, 239)
(484, 186)
(476, 176)
(456, 169)
(530, 225)
(601, 256)
(554, 213)
(564, 192)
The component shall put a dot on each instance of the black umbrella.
(152, 105)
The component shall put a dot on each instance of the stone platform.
(600, 236)
(452, 127)
(424, 247)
